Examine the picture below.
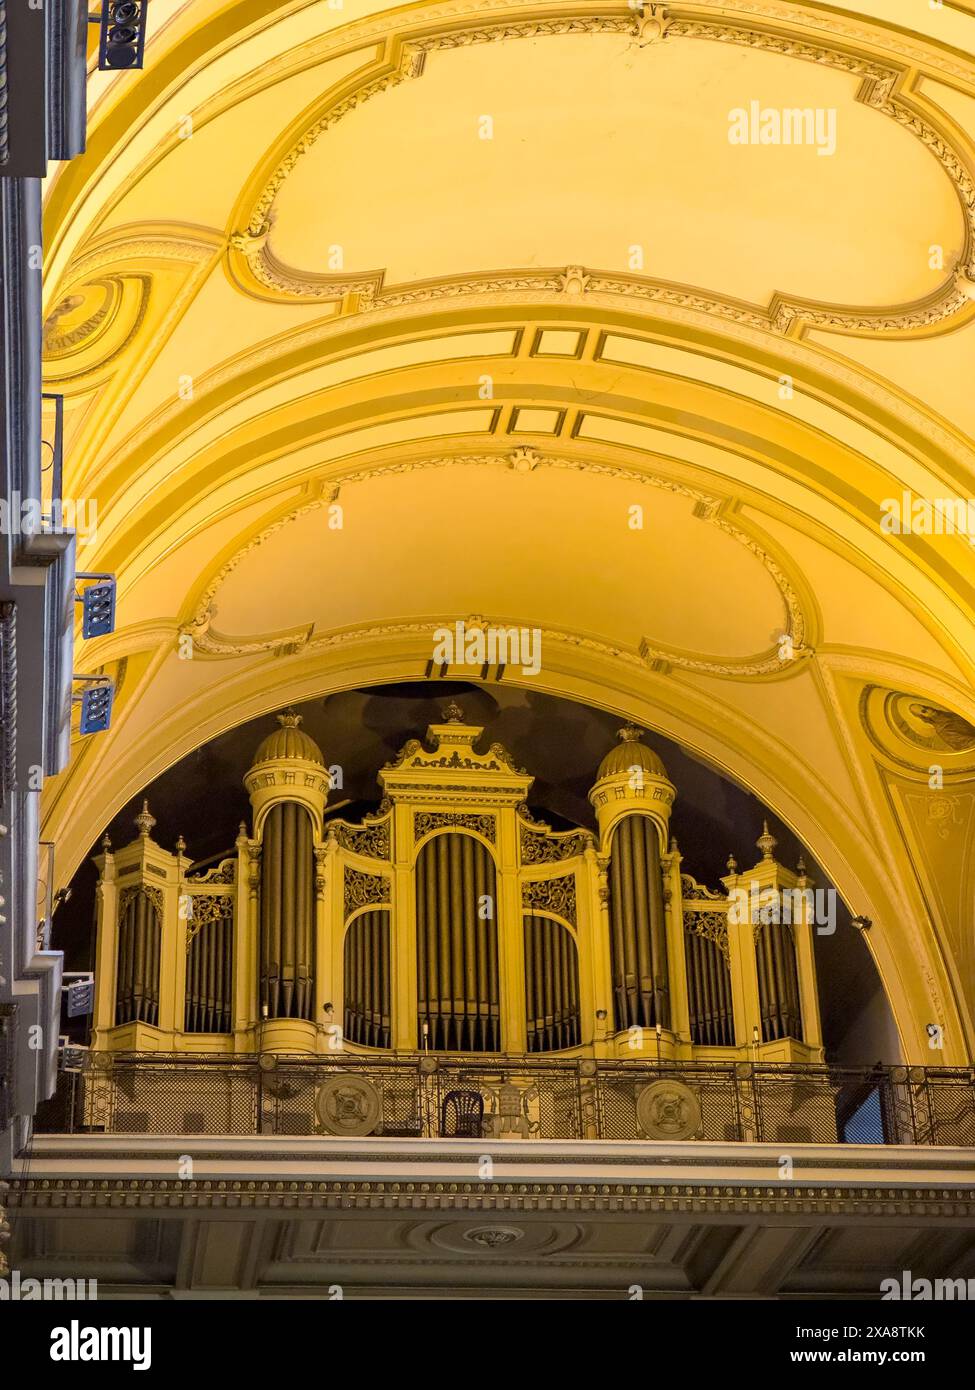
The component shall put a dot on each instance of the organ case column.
(288, 784)
(137, 930)
(632, 799)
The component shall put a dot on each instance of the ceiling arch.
(676, 472)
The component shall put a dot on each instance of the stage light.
(98, 600)
(80, 997)
(123, 34)
(96, 704)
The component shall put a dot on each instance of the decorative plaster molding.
(207, 641)
(258, 270)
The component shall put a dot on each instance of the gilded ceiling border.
(208, 641)
(256, 270)
(115, 126)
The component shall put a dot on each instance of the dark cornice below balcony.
(261, 1217)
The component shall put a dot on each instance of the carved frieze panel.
(151, 892)
(425, 821)
(540, 845)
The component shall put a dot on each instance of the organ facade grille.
(450, 920)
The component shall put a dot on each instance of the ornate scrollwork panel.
(364, 890)
(556, 895)
(425, 821)
(712, 926)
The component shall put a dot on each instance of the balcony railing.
(448, 1096)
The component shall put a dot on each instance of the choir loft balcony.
(437, 1097)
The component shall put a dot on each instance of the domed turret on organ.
(632, 799)
(288, 786)
(450, 921)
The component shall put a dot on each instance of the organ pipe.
(287, 913)
(638, 926)
(209, 977)
(709, 994)
(137, 983)
(367, 980)
(457, 947)
(778, 982)
(590, 931)
(551, 985)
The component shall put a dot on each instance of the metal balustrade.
(523, 1097)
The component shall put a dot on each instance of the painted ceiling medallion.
(930, 726)
(917, 731)
(93, 323)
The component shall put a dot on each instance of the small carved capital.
(574, 280)
(651, 24)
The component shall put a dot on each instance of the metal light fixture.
(123, 34)
(96, 703)
(80, 990)
(98, 600)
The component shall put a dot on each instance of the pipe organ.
(451, 921)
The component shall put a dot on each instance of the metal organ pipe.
(457, 948)
(638, 929)
(287, 913)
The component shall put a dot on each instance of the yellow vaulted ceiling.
(486, 281)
